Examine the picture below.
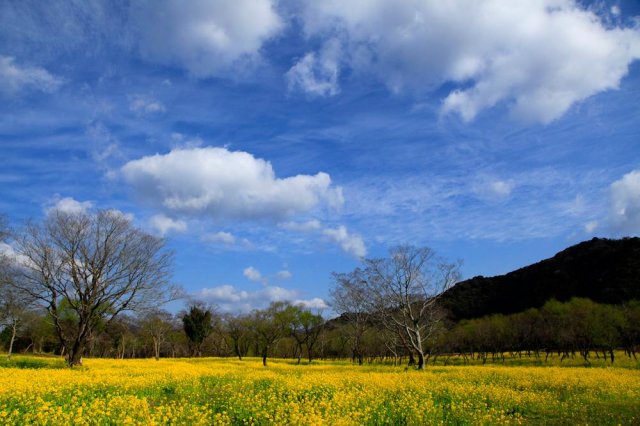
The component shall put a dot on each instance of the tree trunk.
(156, 347)
(420, 361)
(74, 357)
(412, 360)
(264, 358)
(14, 331)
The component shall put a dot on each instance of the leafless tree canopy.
(350, 297)
(400, 292)
(87, 268)
(404, 290)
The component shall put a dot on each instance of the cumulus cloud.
(70, 206)
(350, 243)
(144, 105)
(253, 274)
(207, 37)
(164, 224)
(317, 73)
(232, 299)
(315, 303)
(284, 275)
(11, 255)
(15, 78)
(625, 203)
(226, 185)
(530, 55)
(221, 237)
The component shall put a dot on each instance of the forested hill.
(603, 270)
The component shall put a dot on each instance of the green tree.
(270, 325)
(305, 328)
(198, 325)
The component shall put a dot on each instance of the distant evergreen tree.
(197, 326)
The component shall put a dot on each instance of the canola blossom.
(214, 391)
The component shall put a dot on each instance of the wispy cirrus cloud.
(15, 78)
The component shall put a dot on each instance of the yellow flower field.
(224, 391)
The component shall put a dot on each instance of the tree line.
(91, 284)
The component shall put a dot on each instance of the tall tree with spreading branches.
(95, 265)
(403, 290)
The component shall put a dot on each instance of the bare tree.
(404, 289)
(13, 303)
(156, 325)
(238, 330)
(13, 312)
(350, 299)
(95, 265)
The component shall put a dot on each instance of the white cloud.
(284, 275)
(317, 74)
(315, 303)
(625, 203)
(350, 243)
(493, 189)
(226, 185)
(309, 226)
(531, 55)
(230, 299)
(104, 146)
(164, 224)
(143, 105)
(118, 213)
(70, 206)
(14, 78)
(205, 37)
(253, 274)
(591, 226)
(178, 140)
(221, 237)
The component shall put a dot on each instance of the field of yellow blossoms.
(224, 391)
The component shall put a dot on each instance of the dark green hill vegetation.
(603, 270)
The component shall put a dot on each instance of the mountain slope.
(603, 270)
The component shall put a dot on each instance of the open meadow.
(36, 390)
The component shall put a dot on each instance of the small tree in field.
(198, 325)
(305, 328)
(157, 325)
(404, 289)
(237, 328)
(14, 302)
(270, 325)
(95, 266)
(350, 298)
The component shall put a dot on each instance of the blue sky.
(273, 142)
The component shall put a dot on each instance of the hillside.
(603, 270)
